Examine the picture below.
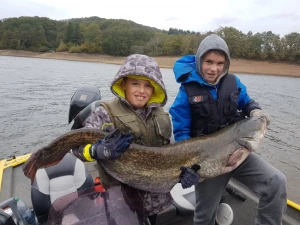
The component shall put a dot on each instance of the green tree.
(253, 46)
(93, 38)
(69, 33)
(235, 40)
(123, 37)
(76, 35)
(117, 41)
(270, 44)
(62, 47)
(155, 45)
(173, 45)
(9, 40)
(291, 46)
(190, 44)
(293, 41)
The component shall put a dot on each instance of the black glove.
(112, 146)
(189, 176)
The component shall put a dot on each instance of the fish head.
(250, 132)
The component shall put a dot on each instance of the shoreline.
(236, 66)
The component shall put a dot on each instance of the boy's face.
(137, 92)
(212, 66)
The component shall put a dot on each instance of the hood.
(185, 70)
(212, 42)
(141, 67)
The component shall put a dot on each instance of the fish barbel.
(157, 169)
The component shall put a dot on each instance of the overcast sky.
(279, 16)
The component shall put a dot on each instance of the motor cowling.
(81, 98)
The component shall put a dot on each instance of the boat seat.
(183, 199)
(50, 183)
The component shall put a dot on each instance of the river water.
(35, 97)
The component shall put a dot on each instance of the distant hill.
(119, 37)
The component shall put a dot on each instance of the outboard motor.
(81, 98)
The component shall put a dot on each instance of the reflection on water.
(35, 96)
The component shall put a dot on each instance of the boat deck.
(17, 185)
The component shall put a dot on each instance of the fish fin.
(30, 167)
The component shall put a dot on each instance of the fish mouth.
(237, 157)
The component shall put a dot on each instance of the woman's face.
(137, 92)
(212, 66)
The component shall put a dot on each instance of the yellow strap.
(2, 163)
(106, 125)
(86, 153)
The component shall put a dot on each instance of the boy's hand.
(260, 113)
(112, 146)
(189, 176)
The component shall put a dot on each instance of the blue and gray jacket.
(201, 108)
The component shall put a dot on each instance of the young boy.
(137, 110)
(209, 99)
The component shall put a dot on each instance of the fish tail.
(30, 167)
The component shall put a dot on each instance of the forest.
(123, 37)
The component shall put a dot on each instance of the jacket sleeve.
(181, 116)
(245, 103)
(99, 119)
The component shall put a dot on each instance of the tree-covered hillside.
(123, 37)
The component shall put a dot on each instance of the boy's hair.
(219, 52)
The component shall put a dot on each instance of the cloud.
(283, 16)
(171, 19)
(224, 21)
(200, 16)
(263, 2)
(29, 8)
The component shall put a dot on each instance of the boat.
(92, 204)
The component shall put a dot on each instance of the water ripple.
(36, 94)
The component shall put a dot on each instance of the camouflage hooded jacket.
(138, 67)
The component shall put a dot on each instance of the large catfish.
(156, 169)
